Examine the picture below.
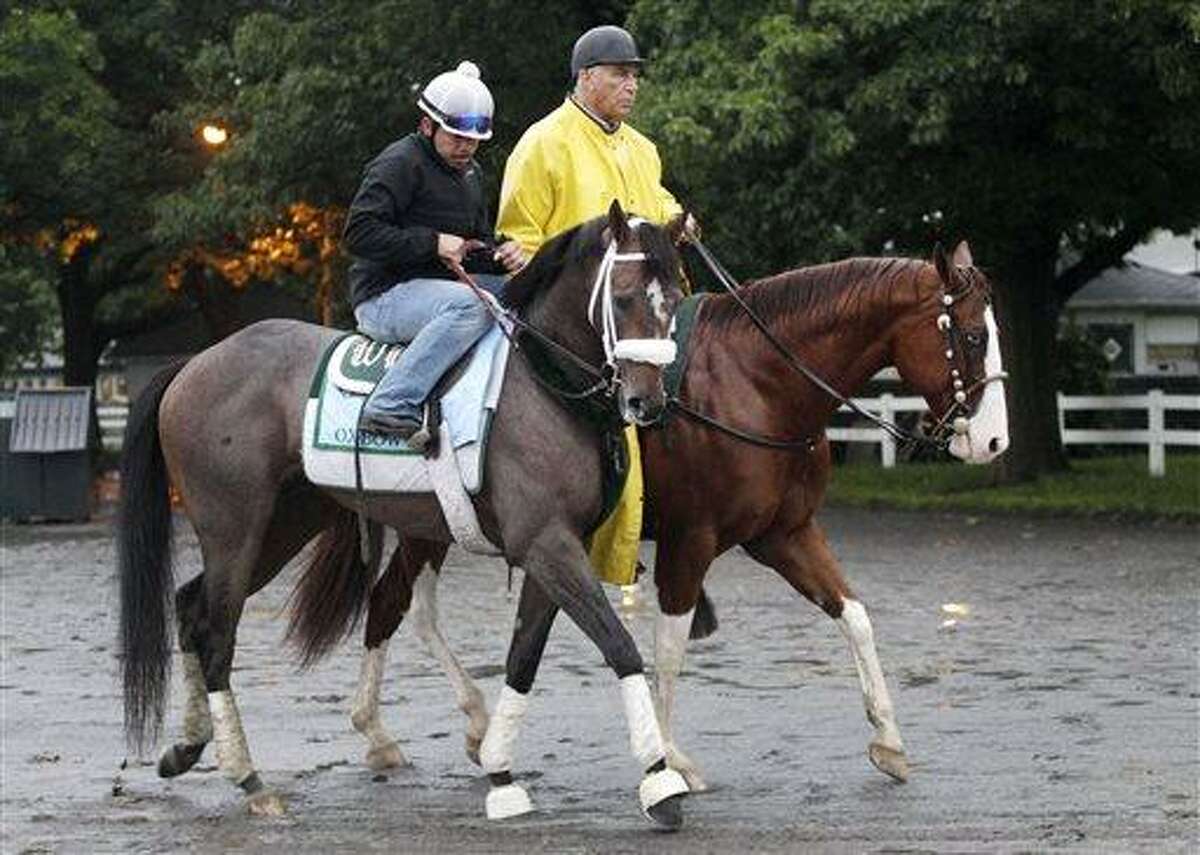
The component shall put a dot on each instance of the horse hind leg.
(394, 595)
(470, 699)
(804, 559)
(197, 719)
(241, 555)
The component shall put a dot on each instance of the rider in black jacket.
(419, 208)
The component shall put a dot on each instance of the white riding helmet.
(459, 102)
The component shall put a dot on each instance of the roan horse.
(845, 321)
(225, 430)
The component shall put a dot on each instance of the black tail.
(144, 561)
(704, 621)
(333, 591)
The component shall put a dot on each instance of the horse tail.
(704, 621)
(144, 564)
(334, 587)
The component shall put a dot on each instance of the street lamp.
(214, 135)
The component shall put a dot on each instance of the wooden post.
(887, 412)
(1157, 440)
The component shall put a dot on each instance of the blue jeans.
(440, 318)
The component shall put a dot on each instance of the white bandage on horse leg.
(197, 722)
(645, 738)
(364, 714)
(496, 753)
(233, 752)
(856, 626)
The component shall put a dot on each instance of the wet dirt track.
(1060, 713)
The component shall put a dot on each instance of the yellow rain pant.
(614, 545)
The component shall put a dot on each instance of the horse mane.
(824, 294)
(575, 246)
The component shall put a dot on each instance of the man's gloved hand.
(452, 249)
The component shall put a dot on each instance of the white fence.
(1154, 436)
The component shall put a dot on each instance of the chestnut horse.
(225, 429)
(750, 429)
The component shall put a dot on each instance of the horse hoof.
(661, 794)
(265, 803)
(386, 757)
(667, 814)
(889, 761)
(178, 759)
(506, 801)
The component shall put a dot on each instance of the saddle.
(348, 372)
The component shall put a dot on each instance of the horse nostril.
(994, 445)
(636, 405)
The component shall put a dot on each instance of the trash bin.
(48, 467)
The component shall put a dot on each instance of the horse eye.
(974, 339)
(624, 302)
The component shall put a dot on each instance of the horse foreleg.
(559, 565)
(804, 559)
(679, 587)
(531, 629)
(470, 699)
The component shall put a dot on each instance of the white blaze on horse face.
(987, 431)
(658, 302)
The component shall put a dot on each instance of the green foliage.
(26, 310)
(1081, 368)
(801, 136)
(1116, 486)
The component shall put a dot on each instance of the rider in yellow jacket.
(566, 169)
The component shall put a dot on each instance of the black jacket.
(409, 194)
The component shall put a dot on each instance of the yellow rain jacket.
(566, 169)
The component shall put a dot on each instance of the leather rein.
(953, 420)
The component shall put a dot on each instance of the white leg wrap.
(645, 739)
(233, 753)
(197, 722)
(507, 801)
(856, 626)
(496, 753)
(364, 714)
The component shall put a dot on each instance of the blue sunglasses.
(472, 123)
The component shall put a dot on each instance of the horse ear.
(941, 263)
(675, 227)
(617, 224)
(962, 255)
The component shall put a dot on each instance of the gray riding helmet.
(607, 45)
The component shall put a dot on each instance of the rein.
(894, 430)
(652, 351)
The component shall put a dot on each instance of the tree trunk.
(77, 307)
(1028, 317)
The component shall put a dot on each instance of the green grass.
(1107, 486)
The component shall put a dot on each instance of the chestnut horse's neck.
(837, 319)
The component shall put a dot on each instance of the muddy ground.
(1059, 713)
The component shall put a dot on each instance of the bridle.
(606, 378)
(956, 415)
(955, 420)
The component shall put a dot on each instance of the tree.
(26, 310)
(1054, 136)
